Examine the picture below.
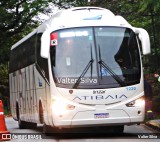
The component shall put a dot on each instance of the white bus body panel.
(27, 88)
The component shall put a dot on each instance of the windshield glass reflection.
(73, 49)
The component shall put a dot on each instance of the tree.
(143, 14)
(150, 9)
(18, 18)
(150, 5)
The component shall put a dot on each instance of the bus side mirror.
(145, 40)
(45, 44)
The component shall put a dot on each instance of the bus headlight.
(61, 107)
(137, 103)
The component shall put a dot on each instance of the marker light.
(73, 34)
(54, 39)
(61, 107)
(137, 103)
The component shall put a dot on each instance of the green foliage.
(4, 74)
(16, 18)
(156, 103)
(155, 98)
(150, 9)
(149, 6)
(70, 3)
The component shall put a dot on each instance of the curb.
(154, 124)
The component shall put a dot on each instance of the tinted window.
(23, 55)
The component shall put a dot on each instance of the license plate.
(101, 115)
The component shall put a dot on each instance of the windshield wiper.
(90, 64)
(110, 71)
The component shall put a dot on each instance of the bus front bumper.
(97, 118)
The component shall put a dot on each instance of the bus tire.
(47, 130)
(119, 129)
(21, 124)
(32, 125)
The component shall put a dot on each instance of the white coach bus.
(81, 68)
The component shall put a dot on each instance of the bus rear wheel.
(31, 125)
(21, 124)
(24, 124)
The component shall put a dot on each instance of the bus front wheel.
(41, 117)
(119, 129)
(47, 130)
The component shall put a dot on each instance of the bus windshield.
(95, 57)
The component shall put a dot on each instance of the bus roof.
(24, 39)
(79, 17)
(83, 16)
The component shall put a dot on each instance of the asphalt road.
(135, 133)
